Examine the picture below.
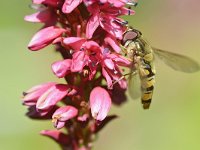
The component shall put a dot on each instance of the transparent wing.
(134, 87)
(177, 62)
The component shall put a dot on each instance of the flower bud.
(44, 37)
(100, 103)
(52, 96)
(31, 96)
(63, 114)
(62, 68)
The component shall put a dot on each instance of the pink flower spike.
(53, 3)
(70, 5)
(52, 96)
(63, 114)
(31, 96)
(100, 103)
(62, 68)
(45, 37)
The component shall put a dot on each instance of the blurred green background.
(173, 121)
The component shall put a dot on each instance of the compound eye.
(129, 35)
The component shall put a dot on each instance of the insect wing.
(177, 62)
(134, 87)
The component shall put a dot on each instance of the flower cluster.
(87, 33)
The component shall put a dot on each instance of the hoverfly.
(142, 55)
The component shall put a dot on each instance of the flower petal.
(44, 16)
(100, 103)
(113, 43)
(57, 136)
(70, 5)
(107, 77)
(52, 96)
(92, 25)
(78, 61)
(61, 68)
(53, 3)
(109, 63)
(74, 42)
(44, 37)
(31, 96)
(65, 113)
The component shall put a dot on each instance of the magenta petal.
(53, 3)
(122, 61)
(70, 5)
(44, 37)
(78, 61)
(92, 25)
(63, 114)
(108, 78)
(113, 43)
(109, 63)
(31, 96)
(112, 27)
(100, 103)
(61, 68)
(41, 16)
(92, 46)
(52, 96)
(57, 136)
(118, 3)
(74, 42)
(59, 124)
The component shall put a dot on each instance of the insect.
(142, 55)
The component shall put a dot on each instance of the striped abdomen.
(147, 77)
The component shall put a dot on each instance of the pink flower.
(70, 5)
(62, 68)
(110, 69)
(88, 37)
(63, 114)
(53, 95)
(86, 53)
(46, 16)
(100, 103)
(31, 96)
(53, 3)
(45, 37)
(112, 41)
(45, 96)
(106, 16)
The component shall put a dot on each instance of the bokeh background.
(173, 121)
